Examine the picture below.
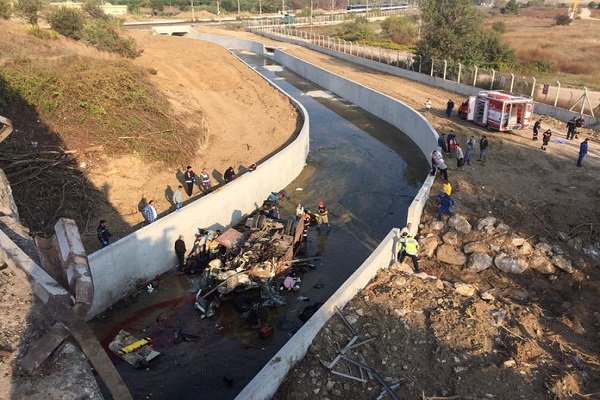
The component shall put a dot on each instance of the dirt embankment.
(480, 331)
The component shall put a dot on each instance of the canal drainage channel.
(364, 169)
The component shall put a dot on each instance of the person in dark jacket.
(536, 129)
(449, 108)
(190, 178)
(583, 149)
(546, 139)
(483, 145)
(229, 174)
(103, 233)
(442, 142)
(571, 126)
(180, 252)
(446, 204)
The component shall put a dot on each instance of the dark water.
(366, 172)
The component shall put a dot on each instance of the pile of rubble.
(494, 315)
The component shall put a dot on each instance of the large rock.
(486, 222)
(459, 223)
(428, 245)
(562, 263)
(450, 255)
(479, 262)
(542, 265)
(451, 237)
(502, 228)
(517, 241)
(436, 225)
(510, 264)
(476, 247)
(403, 268)
(526, 249)
(464, 289)
(543, 247)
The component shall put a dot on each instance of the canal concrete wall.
(148, 252)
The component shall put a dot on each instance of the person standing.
(149, 212)
(229, 174)
(206, 185)
(323, 214)
(435, 157)
(483, 145)
(410, 249)
(583, 149)
(103, 233)
(442, 142)
(546, 139)
(460, 158)
(428, 106)
(190, 178)
(178, 198)
(180, 252)
(571, 126)
(299, 211)
(470, 148)
(449, 108)
(451, 142)
(578, 124)
(536, 129)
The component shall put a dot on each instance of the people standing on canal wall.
(190, 178)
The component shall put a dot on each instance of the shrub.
(356, 30)
(562, 19)
(535, 3)
(499, 27)
(30, 10)
(104, 35)
(92, 8)
(592, 4)
(5, 9)
(511, 7)
(45, 34)
(67, 22)
(400, 29)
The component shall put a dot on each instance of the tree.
(93, 9)
(5, 9)
(512, 7)
(493, 52)
(401, 29)
(155, 5)
(67, 22)
(30, 10)
(449, 29)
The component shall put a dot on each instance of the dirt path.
(240, 120)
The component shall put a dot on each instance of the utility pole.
(239, 10)
(218, 8)
(193, 16)
(259, 7)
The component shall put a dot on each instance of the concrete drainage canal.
(366, 172)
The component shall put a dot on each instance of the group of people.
(572, 133)
(450, 146)
(449, 107)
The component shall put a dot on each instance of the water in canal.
(366, 172)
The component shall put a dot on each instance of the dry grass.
(573, 51)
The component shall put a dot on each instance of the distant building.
(109, 9)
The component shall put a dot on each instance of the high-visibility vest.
(410, 246)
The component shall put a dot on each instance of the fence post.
(379, 55)
(533, 88)
(431, 73)
(475, 76)
(398, 59)
(459, 71)
(493, 77)
(512, 82)
(445, 67)
(557, 92)
(351, 45)
(585, 97)
(420, 58)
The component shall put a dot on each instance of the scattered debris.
(135, 351)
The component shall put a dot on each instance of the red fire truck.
(498, 110)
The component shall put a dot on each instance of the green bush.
(499, 27)
(401, 29)
(562, 19)
(5, 9)
(66, 21)
(356, 30)
(30, 10)
(592, 4)
(92, 8)
(105, 35)
(46, 34)
(511, 7)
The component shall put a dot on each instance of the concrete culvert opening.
(269, 50)
(181, 34)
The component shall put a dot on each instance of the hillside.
(97, 135)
